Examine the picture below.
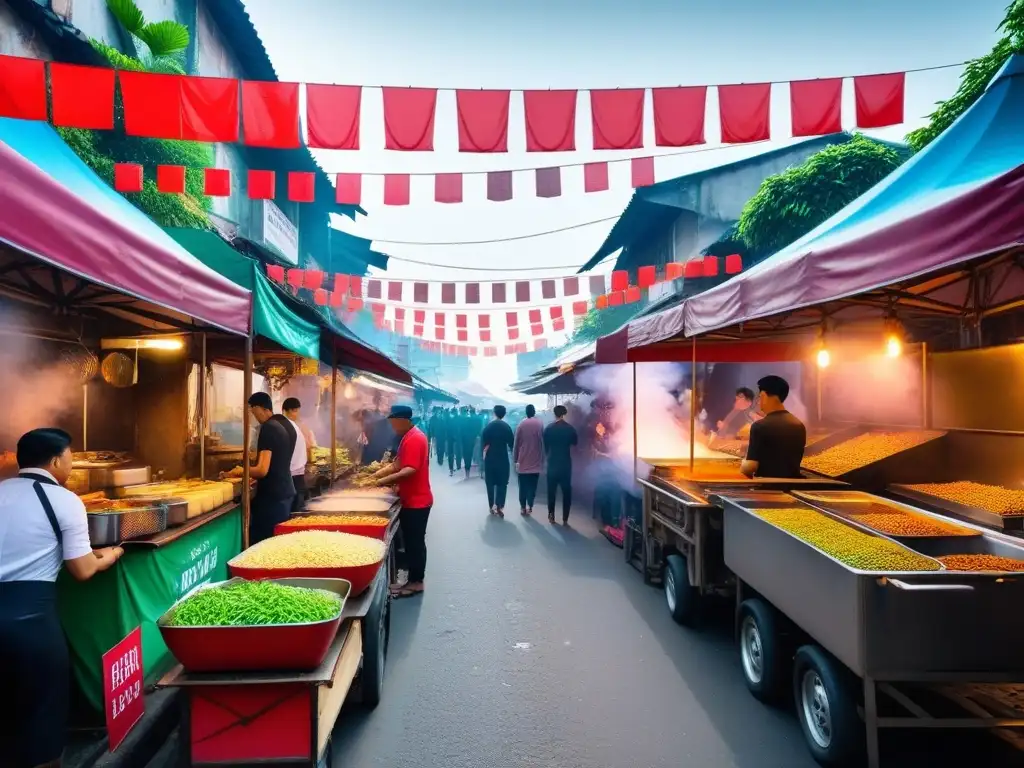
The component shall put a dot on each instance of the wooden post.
(334, 412)
(693, 401)
(636, 455)
(926, 417)
(246, 423)
(202, 411)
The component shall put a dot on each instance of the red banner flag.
(320, 297)
(275, 272)
(209, 109)
(579, 308)
(461, 321)
(152, 104)
(447, 293)
(537, 329)
(22, 88)
(693, 268)
(673, 270)
(395, 292)
(296, 277)
(127, 177)
(409, 118)
(745, 112)
(484, 321)
(82, 97)
(170, 179)
(313, 280)
(632, 294)
(550, 121)
(261, 185)
(483, 120)
(448, 187)
(373, 291)
(301, 186)
(646, 276)
(679, 115)
(571, 286)
(641, 172)
(620, 279)
(617, 118)
(548, 182)
(547, 289)
(341, 283)
(710, 266)
(733, 264)
(879, 99)
(270, 114)
(523, 290)
(349, 189)
(497, 293)
(499, 186)
(595, 177)
(472, 293)
(420, 292)
(815, 106)
(332, 116)
(396, 189)
(535, 316)
(511, 319)
(616, 298)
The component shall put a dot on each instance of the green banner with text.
(98, 613)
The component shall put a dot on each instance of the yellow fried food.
(981, 563)
(865, 449)
(311, 521)
(312, 549)
(852, 547)
(991, 498)
(894, 521)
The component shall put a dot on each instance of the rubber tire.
(773, 684)
(687, 601)
(847, 745)
(376, 637)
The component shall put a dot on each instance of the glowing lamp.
(893, 346)
(824, 358)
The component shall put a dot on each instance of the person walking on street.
(471, 430)
(496, 441)
(410, 471)
(559, 439)
(528, 454)
(454, 445)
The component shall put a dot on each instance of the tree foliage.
(790, 204)
(975, 78)
(601, 322)
(101, 149)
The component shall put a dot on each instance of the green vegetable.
(255, 603)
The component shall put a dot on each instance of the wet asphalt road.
(538, 647)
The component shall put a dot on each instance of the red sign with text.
(122, 687)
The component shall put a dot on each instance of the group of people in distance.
(454, 434)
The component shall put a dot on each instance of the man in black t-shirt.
(777, 441)
(559, 438)
(274, 488)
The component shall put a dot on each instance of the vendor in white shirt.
(42, 525)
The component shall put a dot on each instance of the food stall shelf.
(944, 506)
(173, 534)
(912, 462)
(844, 505)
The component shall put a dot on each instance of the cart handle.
(899, 584)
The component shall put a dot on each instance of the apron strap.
(50, 514)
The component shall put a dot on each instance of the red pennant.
(209, 109)
(485, 335)
(261, 185)
(601, 302)
(693, 268)
(571, 286)
(547, 289)
(419, 316)
(511, 319)
(337, 298)
(596, 285)
(22, 88)
(217, 182)
(745, 112)
(170, 179)
(710, 266)
(733, 264)
(439, 333)
(558, 324)
(313, 280)
(301, 186)
(296, 277)
(349, 189)
(354, 304)
(815, 106)
(270, 114)
(332, 116)
(355, 285)
(499, 186)
(276, 273)
(550, 121)
(447, 293)
(439, 318)
(484, 321)
(679, 115)
(497, 293)
(595, 177)
(616, 298)
(523, 290)
(320, 297)
(646, 276)
(341, 284)
(409, 118)
(462, 334)
(879, 99)
(396, 189)
(673, 270)
(483, 120)
(632, 294)
(617, 118)
(152, 104)
(127, 177)
(513, 333)
(535, 316)
(642, 171)
(395, 293)
(579, 308)
(420, 292)
(549, 182)
(620, 279)
(82, 97)
(417, 330)
(448, 187)
(461, 321)
(472, 293)
(399, 314)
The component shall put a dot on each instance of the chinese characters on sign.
(122, 687)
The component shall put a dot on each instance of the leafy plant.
(792, 203)
(975, 78)
(601, 322)
(160, 45)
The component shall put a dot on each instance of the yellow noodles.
(312, 549)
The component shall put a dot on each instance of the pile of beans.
(854, 548)
(865, 449)
(305, 522)
(894, 521)
(312, 549)
(991, 498)
(981, 563)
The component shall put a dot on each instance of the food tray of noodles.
(112, 521)
(863, 450)
(333, 504)
(313, 554)
(238, 625)
(373, 526)
(990, 505)
(880, 515)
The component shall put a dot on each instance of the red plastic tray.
(379, 532)
(360, 576)
(280, 647)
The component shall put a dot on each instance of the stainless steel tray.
(991, 519)
(108, 528)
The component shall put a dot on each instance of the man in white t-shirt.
(301, 454)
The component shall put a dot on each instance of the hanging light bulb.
(824, 358)
(893, 346)
(350, 391)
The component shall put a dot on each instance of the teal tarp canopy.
(272, 317)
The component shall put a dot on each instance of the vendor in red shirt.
(410, 471)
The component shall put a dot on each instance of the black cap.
(400, 412)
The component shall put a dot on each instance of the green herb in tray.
(255, 603)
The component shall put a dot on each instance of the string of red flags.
(267, 114)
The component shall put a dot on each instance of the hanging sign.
(122, 687)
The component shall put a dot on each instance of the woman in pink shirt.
(528, 454)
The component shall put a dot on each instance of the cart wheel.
(761, 657)
(376, 635)
(826, 706)
(682, 599)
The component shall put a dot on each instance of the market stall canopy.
(53, 207)
(427, 391)
(550, 383)
(958, 200)
(271, 316)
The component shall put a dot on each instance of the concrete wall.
(17, 38)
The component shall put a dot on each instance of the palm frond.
(128, 14)
(165, 38)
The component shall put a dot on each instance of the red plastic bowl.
(379, 532)
(282, 647)
(360, 576)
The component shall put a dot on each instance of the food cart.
(860, 644)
